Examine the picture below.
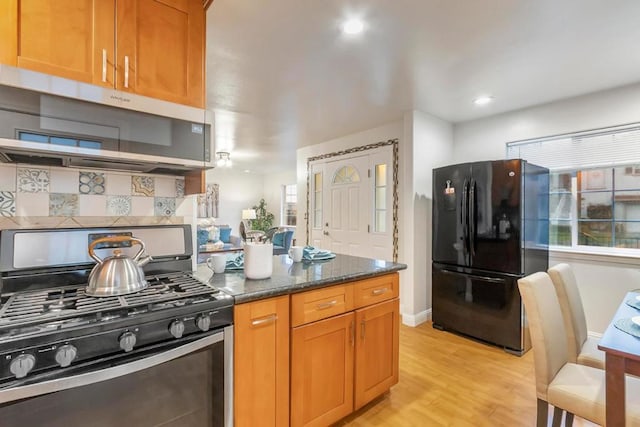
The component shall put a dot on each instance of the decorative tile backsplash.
(35, 196)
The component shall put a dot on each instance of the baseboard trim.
(596, 335)
(416, 319)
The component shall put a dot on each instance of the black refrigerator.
(490, 228)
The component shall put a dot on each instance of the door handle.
(326, 233)
(264, 320)
(126, 71)
(104, 65)
(476, 276)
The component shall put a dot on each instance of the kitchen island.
(315, 341)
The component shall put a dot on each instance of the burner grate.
(59, 303)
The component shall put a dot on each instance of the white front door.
(346, 200)
(351, 202)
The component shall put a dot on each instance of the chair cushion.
(580, 390)
(225, 233)
(590, 355)
(278, 239)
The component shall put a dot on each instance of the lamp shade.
(248, 214)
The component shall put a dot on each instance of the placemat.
(627, 325)
(633, 302)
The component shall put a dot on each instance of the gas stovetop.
(41, 311)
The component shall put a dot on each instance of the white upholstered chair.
(583, 349)
(577, 389)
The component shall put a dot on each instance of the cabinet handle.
(104, 65)
(379, 291)
(326, 305)
(352, 332)
(264, 320)
(362, 329)
(126, 71)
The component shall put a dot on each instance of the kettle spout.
(144, 260)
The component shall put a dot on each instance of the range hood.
(52, 121)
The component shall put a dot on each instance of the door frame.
(359, 149)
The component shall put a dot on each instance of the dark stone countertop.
(289, 277)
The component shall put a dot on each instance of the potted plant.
(264, 219)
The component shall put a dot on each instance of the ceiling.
(281, 75)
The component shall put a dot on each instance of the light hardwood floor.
(447, 380)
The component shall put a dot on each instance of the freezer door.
(483, 306)
(495, 211)
(450, 216)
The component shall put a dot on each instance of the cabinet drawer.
(319, 304)
(375, 290)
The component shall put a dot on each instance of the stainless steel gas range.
(160, 356)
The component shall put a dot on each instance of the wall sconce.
(224, 159)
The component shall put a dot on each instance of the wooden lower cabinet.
(376, 365)
(322, 371)
(261, 363)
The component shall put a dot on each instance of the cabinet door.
(261, 363)
(160, 46)
(376, 350)
(322, 371)
(72, 39)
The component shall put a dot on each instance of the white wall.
(432, 147)
(238, 190)
(603, 281)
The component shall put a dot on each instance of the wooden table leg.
(615, 389)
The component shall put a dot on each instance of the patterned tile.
(7, 203)
(63, 204)
(164, 206)
(179, 187)
(33, 180)
(142, 185)
(91, 183)
(119, 205)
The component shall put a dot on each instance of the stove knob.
(203, 322)
(176, 328)
(127, 341)
(65, 355)
(22, 365)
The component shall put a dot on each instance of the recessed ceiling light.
(483, 100)
(352, 26)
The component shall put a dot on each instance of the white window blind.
(605, 147)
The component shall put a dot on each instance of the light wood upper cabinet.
(72, 39)
(160, 45)
(153, 48)
(261, 363)
(376, 350)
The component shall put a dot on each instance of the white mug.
(258, 260)
(295, 252)
(217, 263)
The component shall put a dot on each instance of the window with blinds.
(594, 194)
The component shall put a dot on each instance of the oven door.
(190, 385)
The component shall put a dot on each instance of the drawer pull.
(325, 305)
(264, 320)
(379, 291)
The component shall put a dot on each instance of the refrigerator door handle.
(464, 217)
(476, 276)
(472, 217)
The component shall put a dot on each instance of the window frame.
(284, 203)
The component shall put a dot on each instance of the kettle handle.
(115, 239)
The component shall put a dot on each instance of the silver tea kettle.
(117, 274)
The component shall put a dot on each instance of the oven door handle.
(87, 378)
